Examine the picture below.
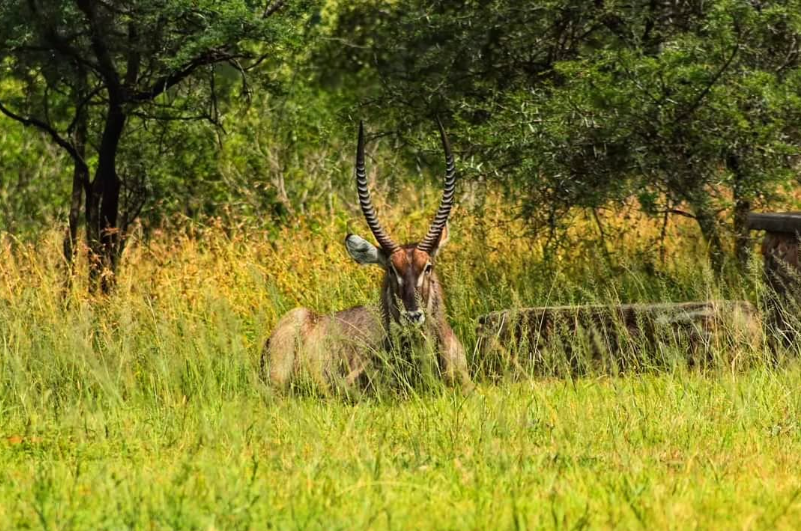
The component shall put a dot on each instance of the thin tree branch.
(105, 62)
(47, 128)
(168, 81)
(58, 42)
(83, 103)
(695, 104)
(273, 8)
(677, 212)
(134, 58)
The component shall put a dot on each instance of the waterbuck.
(341, 350)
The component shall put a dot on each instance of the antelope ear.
(364, 252)
(443, 239)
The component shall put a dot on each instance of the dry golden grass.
(144, 410)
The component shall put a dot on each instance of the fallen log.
(554, 340)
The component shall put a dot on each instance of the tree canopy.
(688, 108)
(88, 71)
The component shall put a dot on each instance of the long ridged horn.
(381, 237)
(431, 240)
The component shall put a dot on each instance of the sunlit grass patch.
(681, 450)
(146, 410)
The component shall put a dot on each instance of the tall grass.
(145, 410)
(195, 303)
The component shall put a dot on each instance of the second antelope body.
(341, 349)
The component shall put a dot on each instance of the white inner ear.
(363, 251)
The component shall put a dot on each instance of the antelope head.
(409, 269)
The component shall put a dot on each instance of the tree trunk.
(80, 178)
(742, 240)
(92, 213)
(708, 224)
(103, 203)
(742, 207)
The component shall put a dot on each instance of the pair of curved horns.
(429, 243)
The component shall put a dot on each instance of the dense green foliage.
(685, 108)
(34, 184)
(688, 107)
(105, 82)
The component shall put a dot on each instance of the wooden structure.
(780, 249)
(616, 338)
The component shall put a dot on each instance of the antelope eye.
(428, 269)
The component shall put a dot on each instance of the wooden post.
(782, 272)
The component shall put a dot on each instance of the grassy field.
(145, 410)
(675, 451)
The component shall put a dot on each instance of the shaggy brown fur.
(337, 351)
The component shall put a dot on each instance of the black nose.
(416, 317)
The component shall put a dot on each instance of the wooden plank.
(782, 254)
(614, 338)
(785, 222)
